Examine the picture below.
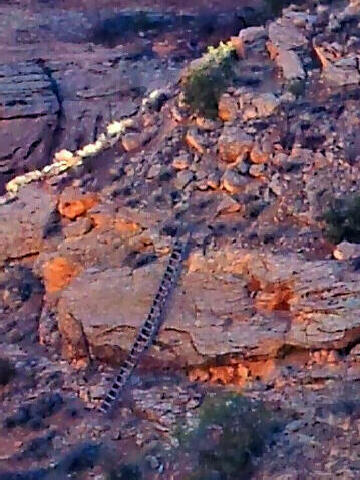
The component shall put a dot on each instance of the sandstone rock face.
(58, 273)
(346, 251)
(286, 37)
(289, 62)
(233, 143)
(251, 39)
(253, 304)
(227, 108)
(338, 69)
(202, 308)
(73, 204)
(284, 34)
(28, 117)
(233, 182)
(24, 223)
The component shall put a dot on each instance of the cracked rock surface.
(267, 306)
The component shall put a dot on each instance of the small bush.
(126, 472)
(7, 371)
(276, 6)
(230, 430)
(207, 78)
(343, 220)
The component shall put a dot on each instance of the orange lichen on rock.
(259, 155)
(74, 345)
(262, 369)
(199, 374)
(275, 297)
(227, 108)
(236, 373)
(58, 273)
(126, 227)
(102, 220)
(222, 374)
(73, 204)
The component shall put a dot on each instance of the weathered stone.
(208, 124)
(213, 180)
(290, 63)
(131, 141)
(195, 140)
(284, 34)
(28, 117)
(338, 71)
(265, 104)
(73, 203)
(74, 344)
(227, 108)
(318, 301)
(355, 352)
(24, 223)
(233, 182)
(154, 171)
(182, 161)
(183, 178)
(256, 170)
(58, 273)
(251, 39)
(110, 315)
(275, 185)
(233, 143)
(243, 166)
(126, 226)
(346, 251)
(259, 154)
(78, 228)
(228, 205)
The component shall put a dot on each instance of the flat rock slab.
(234, 303)
(208, 315)
(24, 223)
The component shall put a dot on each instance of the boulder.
(254, 304)
(337, 69)
(284, 34)
(233, 143)
(290, 64)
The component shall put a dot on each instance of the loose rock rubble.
(266, 304)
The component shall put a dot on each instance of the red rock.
(74, 346)
(224, 375)
(233, 143)
(73, 203)
(228, 108)
(58, 273)
(126, 227)
(259, 155)
(24, 223)
(131, 141)
(195, 140)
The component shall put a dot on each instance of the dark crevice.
(32, 148)
(98, 122)
(22, 117)
(10, 155)
(60, 115)
(345, 351)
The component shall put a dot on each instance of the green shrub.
(7, 371)
(296, 87)
(276, 6)
(125, 472)
(207, 78)
(230, 430)
(343, 220)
